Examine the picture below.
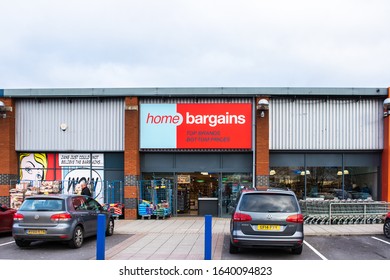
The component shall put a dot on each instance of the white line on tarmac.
(380, 240)
(315, 251)
(7, 243)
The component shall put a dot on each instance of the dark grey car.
(68, 218)
(269, 218)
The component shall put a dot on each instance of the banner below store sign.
(196, 126)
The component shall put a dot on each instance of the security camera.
(386, 107)
(386, 104)
(263, 105)
(2, 110)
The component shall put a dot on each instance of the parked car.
(6, 218)
(68, 218)
(386, 226)
(267, 218)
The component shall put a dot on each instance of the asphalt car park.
(366, 247)
(363, 247)
(45, 250)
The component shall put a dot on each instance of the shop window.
(327, 182)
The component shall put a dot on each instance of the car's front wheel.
(22, 243)
(77, 239)
(110, 228)
(386, 228)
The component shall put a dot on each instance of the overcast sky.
(194, 43)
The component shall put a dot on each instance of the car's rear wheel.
(386, 228)
(232, 248)
(22, 243)
(297, 250)
(77, 239)
(110, 228)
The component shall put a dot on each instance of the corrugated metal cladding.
(194, 100)
(326, 124)
(92, 124)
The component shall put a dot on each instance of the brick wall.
(385, 195)
(8, 156)
(262, 149)
(132, 157)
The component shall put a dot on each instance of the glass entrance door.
(194, 186)
(190, 186)
(231, 183)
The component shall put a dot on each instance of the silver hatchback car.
(269, 218)
(68, 218)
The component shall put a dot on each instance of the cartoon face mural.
(33, 166)
(70, 169)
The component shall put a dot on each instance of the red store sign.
(196, 126)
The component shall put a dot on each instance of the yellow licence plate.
(268, 227)
(36, 231)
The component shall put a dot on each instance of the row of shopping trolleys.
(343, 220)
(351, 211)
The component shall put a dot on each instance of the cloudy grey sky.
(194, 43)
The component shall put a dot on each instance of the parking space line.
(315, 251)
(7, 243)
(376, 238)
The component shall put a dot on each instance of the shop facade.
(203, 144)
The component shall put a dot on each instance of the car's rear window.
(264, 202)
(42, 205)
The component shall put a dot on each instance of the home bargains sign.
(196, 126)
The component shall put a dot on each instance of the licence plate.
(268, 227)
(36, 231)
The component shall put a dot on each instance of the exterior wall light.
(262, 106)
(4, 109)
(386, 107)
(63, 126)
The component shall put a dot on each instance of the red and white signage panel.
(196, 126)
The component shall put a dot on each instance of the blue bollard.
(207, 237)
(101, 237)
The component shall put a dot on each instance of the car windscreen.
(265, 202)
(43, 204)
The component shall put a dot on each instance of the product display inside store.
(25, 189)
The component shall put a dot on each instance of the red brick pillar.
(262, 147)
(386, 157)
(132, 157)
(8, 156)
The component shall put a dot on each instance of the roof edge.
(193, 91)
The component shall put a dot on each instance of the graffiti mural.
(83, 167)
(61, 172)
